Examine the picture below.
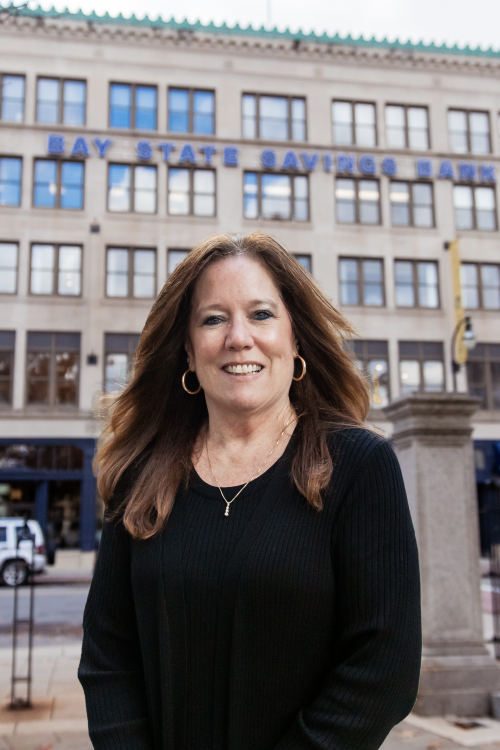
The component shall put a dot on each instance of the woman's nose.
(239, 336)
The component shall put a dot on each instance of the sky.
(451, 21)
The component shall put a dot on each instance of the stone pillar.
(432, 439)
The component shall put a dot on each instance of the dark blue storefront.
(487, 462)
(52, 480)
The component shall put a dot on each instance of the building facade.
(123, 143)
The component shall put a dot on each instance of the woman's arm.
(374, 680)
(111, 670)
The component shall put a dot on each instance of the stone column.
(432, 439)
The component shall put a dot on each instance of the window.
(274, 118)
(130, 272)
(174, 257)
(483, 375)
(407, 127)
(12, 98)
(9, 252)
(480, 286)
(305, 261)
(361, 282)
(119, 356)
(474, 207)
(58, 184)
(358, 201)
(10, 181)
(61, 101)
(276, 196)
(56, 269)
(53, 368)
(7, 346)
(191, 111)
(469, 132)
(412, 204)
(354, 124)
(416, 284)
(132, 106)
(132, 188)
(373, 360)
(421, 366)
(191, 192)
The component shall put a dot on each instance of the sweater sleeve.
(110, 669)
(373, 681)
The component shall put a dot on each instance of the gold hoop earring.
(304, 368)
(191, 393)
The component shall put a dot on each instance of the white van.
(14, 562)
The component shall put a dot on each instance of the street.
(58, 609)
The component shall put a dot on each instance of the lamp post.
(469, 341)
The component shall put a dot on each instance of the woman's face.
(241, 342)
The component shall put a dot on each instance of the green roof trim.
(211, 28)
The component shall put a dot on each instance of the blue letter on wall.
(55, 143)
(166, 148)
(290, 161)
(268, 158)
(144, 150)
(424, 168)
(187, 154)
(327, 162)
(346, 163)
(230, 156)
(208, 151)
(389, 166)
(467, 171)
(446, 170)
(487, 172)
(366, 164)
(309, 162)
(102, 146)
(80, 147)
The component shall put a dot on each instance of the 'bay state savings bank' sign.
(345, 164)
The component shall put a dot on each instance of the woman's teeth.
(242, 369)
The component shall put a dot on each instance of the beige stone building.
(124, 142)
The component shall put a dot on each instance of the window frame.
(52, 378)
(487, 360)
(478, 266)
(259, 175)
(365, 357)
(13, 156)
(310, 260)
(421, 358)
(59, 164)
(130, 272)
(132, 166)
(360, 260)
(467, 112)
(191, 92)
(411, 184)
(130, 357)
(192, 169)
(357, 179)
(17, 243)
(406, 107)
(289, 98)
(415, 285)
(12, 75)
(175, 250)
(8, 353)
(353, 103)
(473, 186)
(133, 106)
(60, 105)
(55, 272)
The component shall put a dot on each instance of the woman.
(257, 583)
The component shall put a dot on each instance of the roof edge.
(248, 31)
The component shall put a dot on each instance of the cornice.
(399, 56)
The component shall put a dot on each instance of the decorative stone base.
(458, 685)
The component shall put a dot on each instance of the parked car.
(14, 561)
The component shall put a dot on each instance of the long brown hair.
(153, 412)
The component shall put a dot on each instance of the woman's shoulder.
(352, 448)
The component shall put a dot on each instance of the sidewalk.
(58, 720)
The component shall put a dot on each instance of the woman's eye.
(263, 314)
(212, 320)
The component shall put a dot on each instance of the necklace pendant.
(227, 510)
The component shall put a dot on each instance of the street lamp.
(469, 341)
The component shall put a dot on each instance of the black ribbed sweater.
(317, 638)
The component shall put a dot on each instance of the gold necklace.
(228, 502)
